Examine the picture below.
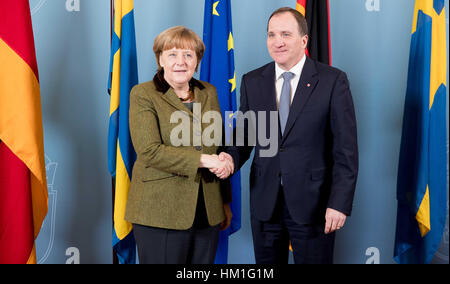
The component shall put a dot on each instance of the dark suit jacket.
(318, 154)
(166, 178)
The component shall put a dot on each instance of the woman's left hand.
(228, 215)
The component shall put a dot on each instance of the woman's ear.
(161, 64)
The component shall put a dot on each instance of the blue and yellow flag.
(422, 174)
(121, 154)
(218, 69)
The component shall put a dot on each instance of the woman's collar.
(162, 85)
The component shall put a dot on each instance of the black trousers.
(271, 239)
(197, 245)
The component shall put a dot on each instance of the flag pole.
(113, 191)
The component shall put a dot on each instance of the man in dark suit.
(304, 192)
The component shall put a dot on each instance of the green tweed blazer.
(166, 178)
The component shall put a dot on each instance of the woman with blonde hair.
(177, 206)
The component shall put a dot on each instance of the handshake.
(221, 165)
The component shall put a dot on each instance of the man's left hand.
(334, 220)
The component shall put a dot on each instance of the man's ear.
(305, 41)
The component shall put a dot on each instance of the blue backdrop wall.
(370, 41)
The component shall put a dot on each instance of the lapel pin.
(309, 85)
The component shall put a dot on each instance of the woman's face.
(179, 66)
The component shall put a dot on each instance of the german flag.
(317, 14)
(23, 185)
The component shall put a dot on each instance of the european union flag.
(121, 154)
(422, 173)
(218, 69)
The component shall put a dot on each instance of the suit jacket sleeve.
(225, 184)
(345, 147)
(240, 153)
(145, 134)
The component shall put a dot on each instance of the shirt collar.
(297, 69)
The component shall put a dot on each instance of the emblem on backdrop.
(70, 5)
(35, 5)
(47, 235)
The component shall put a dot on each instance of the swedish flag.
(422, 174)
(218, 69)
(121, 154)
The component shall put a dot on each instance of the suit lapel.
(307, 83)
(201, 97)
(268, 98)
(174, 101)
(267, 95)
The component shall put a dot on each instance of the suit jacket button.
(198, 148)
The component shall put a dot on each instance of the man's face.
(285, 44)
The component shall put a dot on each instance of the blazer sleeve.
(345, 147)
(146, 138)
(225, 184)
(241, 154)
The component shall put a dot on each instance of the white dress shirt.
(297, 70)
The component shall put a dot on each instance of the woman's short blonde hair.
(178, 37)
